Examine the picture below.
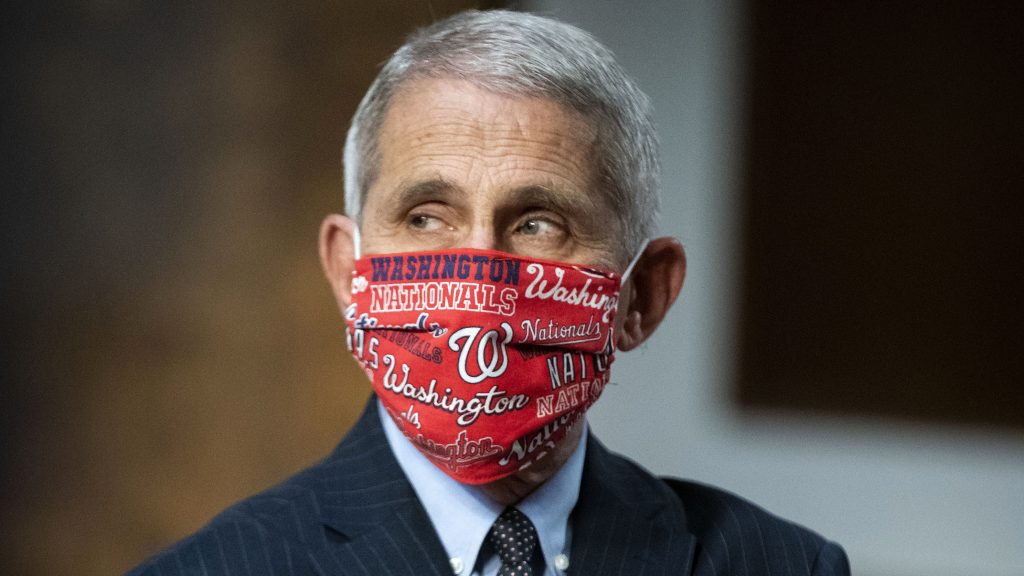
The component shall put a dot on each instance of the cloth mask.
(484, 360)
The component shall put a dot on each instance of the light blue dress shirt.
(463, 516)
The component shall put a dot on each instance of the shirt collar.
(462, 515)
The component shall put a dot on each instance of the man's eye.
(536, 227)
(424, 222)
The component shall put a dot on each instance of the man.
(498, 249)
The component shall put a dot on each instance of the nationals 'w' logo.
(491, 356)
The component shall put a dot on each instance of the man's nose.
(482, 237)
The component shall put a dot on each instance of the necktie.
(515, 539)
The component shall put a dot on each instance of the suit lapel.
(404, 543)
(626, 522)
(375, 523)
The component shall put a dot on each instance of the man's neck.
(462, 514)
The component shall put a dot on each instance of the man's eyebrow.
(551, 197)
(417, 192)
(540, 196)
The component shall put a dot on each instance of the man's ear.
(652, 288)
(337, 256)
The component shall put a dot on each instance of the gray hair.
(514, 53)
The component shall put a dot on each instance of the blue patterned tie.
(515, 540)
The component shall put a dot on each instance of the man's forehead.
(425, 101)
(442, 134)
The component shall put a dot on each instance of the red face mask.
(483, 359)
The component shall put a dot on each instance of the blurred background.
(845, 177)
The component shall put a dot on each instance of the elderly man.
(498, 250)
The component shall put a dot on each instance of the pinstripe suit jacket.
(356, 514)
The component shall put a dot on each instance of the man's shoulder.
(257, 533)
(285, 529)
(735, 532)
(713, 530)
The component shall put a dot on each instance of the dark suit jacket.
(356, 514)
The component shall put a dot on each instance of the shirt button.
(562, 562)
(457, 565)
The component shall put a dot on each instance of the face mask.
(484, 360)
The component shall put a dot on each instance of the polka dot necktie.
(515, 540)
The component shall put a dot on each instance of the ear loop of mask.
(636, 258)
(356, 241)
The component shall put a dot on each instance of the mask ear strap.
(355, 242)
(636, 258)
